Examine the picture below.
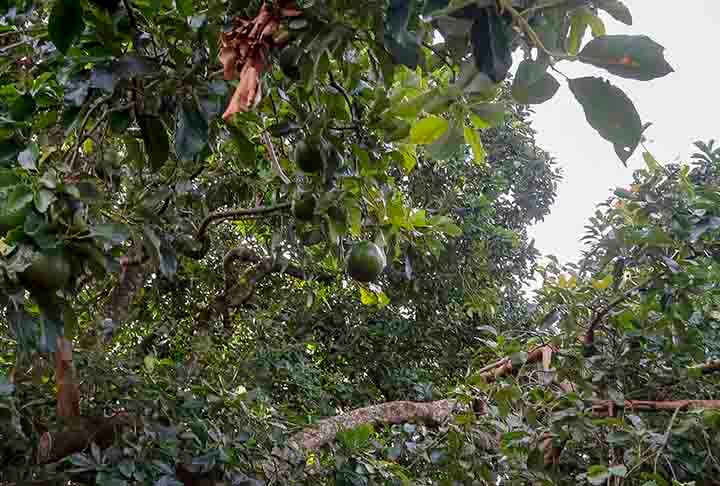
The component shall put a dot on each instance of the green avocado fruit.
(366, 261)
(303, 207)
(47, 272)
(308, 156)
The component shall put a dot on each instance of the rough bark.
(68, 391)
(323, 433)
(81, 432)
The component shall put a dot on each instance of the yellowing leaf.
(602, 284)
(382, 299)
(567, 282)
(472, 138)
(367, 297)
(428, 130)
(88, 146)
(150, 362)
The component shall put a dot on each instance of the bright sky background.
(682, 106)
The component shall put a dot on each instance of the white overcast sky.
(682, 106)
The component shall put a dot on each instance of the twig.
(273, 158)
(589, 336)
(666, 438)
(507, 5)
(238, 213)
(345, 95)
(131, 15)
(444, 59)
(83, 123)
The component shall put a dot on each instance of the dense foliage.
(229, 226)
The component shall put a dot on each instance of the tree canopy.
(284, 242)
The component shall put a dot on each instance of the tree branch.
(237, 213)
(588, 338)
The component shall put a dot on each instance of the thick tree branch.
(83, 431)
(324, 432)
(238, 213)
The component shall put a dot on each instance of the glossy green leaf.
(609, 111)
(66, 23)
(155, 138)
(191, 132)
(43, 199)
(629, 56)
(533, 84)
(490, 38)
(428, 130)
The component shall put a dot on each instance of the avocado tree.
(280, 242)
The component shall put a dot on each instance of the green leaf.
(245, 147)
(191, 132)
(617, 10)
(652, 164)
(27, 157)
(578, 26)
(629, 56)
(43, 199)
(19, 198)
(23, 108)
(472, 138)
(598, 474)
(487, 115)
(156, 141)
(448, 144)
(428, 130)
(114, 233)
(491, 39)
(401, 44)
(184, 7)
(533, 84)
(609, 111)
(66, 23)
(119, 121)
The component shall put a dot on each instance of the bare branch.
(237, 214)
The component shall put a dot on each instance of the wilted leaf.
(629, 56)
(609, 111)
